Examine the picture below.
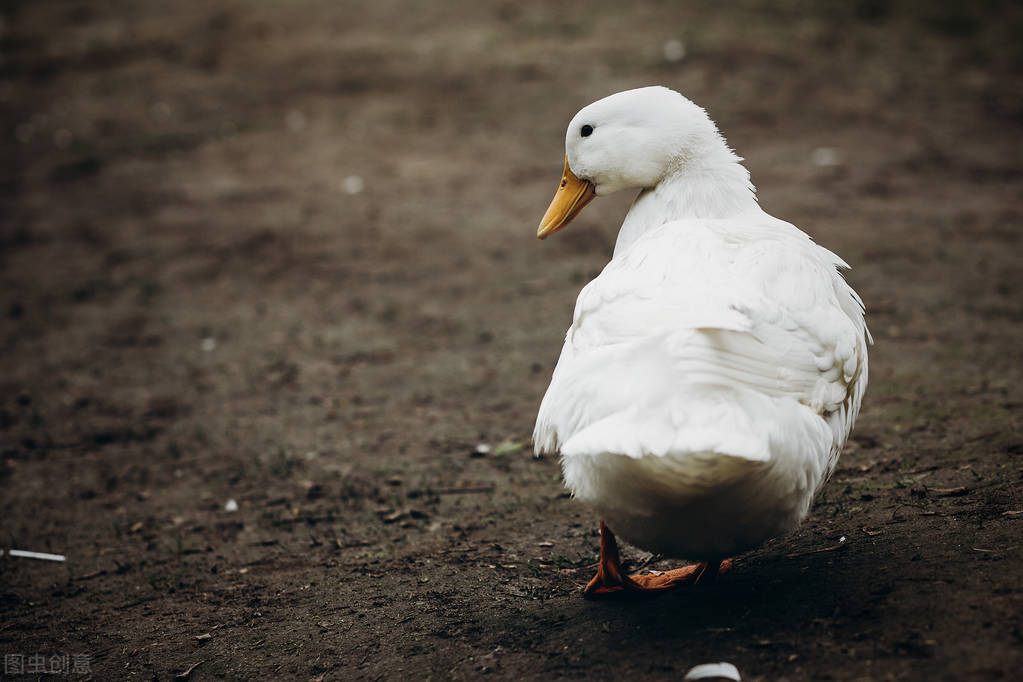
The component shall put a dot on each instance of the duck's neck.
(717, 188)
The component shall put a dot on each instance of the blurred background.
(275, 327)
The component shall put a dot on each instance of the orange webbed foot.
(610, 581)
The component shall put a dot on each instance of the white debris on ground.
(231, 506)
(673, 50)
(826, 157)
(353, 184)
(43, 556)
(713, 671)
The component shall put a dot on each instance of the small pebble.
(673, 51)
(24, 132)
(62, 138)
(353, 184)
(160, 112)
(231, 506)
(295, 120)
(826, 157)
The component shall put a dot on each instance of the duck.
(714, 368)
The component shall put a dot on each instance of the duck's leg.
(610, 580)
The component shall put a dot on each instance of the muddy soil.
(283, 254)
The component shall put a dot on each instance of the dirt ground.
(283, 253)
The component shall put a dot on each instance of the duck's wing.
(752, 307)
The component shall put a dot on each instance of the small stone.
(62, 138)
(160, 112)
(673, 50)
(353, 184)
(826, 157)
(295, 120)
(24, 133)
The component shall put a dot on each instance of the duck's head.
(629, 140)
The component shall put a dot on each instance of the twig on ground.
(948, 492)
(833, 548)
(188, 672)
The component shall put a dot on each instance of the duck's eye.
(586, 130)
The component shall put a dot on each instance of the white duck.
(715, 367)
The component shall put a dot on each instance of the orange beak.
(571, 197)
